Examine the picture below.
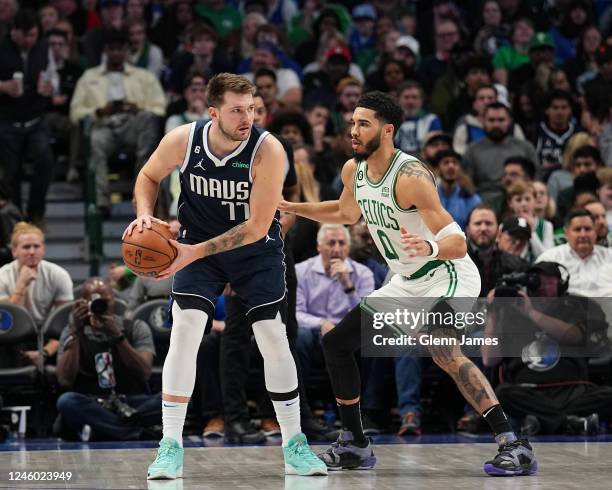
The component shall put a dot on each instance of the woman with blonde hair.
(562, 179)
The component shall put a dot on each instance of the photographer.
(106, 363)
(549, 390)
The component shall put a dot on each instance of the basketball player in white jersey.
(231, 181)
(426, 249)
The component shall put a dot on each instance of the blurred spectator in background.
(266, 55)
(331, 20)
(362, 39)
(482, 236)
(604, 176)
(470, 127)
(348, 92)
(94, 41)
(8, 9)
(580, 255)
(434, 142)
(9, 216)
(563, 178)
(24, 94)
(417, 121)
(64, 74)
(513, 236)
(105, 362)
(321, 85)
(223, 16)
(124, 102)
(492, 35)
(456, 190)
(555, 131)
(143, 53)
(584, 164)
(248, 32)
(447, 35)
(583, 66)
(329, 286)
(170, 31)
(194, 102)
(48, 16)
(576, 15)
(202, 55)
(602, 229)
(32, 282)
(521, 203)
(484, 159)
(265, 81)
(545, 207)
(541, 51)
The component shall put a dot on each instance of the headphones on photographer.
(554, 269)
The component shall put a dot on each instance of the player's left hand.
(186, 254)
(415, 245)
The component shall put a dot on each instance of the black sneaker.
(513, 459)
(345, 455)
(530, 426)
(584, 426)
(241, 432)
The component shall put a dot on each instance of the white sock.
(173, 419)
(288, 416)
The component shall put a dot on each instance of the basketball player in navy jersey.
(231, 176)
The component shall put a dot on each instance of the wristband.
(435, 249)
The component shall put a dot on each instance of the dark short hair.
(442, 154)
(526, 164)
(411, 84)
(577, 213)
(498, 105)
(558, 95)
(480, 207)
(292, 119)
(385, 107)
(25, 20)
(588, 151)
(265, 72)
(116, 37)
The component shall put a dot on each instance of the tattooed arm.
(416, 187)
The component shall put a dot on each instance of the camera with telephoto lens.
(98, 305)
(117, 404)
(509, 285)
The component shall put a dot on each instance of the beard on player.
(369, 147)
(240, 133)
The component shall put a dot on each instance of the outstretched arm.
(342, 211)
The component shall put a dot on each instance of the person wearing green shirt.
(507, 58)
(224, 18)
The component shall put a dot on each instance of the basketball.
(149, 252)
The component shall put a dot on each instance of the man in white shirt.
(583, 259)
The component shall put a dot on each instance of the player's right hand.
(140, 223)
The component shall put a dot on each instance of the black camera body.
(98, 305)
(117, 404)
(509, 285)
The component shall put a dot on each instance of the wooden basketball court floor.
(424, 462)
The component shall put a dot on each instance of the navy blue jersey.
(215, 191)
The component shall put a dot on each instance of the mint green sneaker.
(300, 460)
(168, 464)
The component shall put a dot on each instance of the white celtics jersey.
(384, 216)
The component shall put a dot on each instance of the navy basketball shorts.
(256, 272)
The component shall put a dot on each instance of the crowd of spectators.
(508, 102)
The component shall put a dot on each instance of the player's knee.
(271, 339)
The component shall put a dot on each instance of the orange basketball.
(149, 252)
